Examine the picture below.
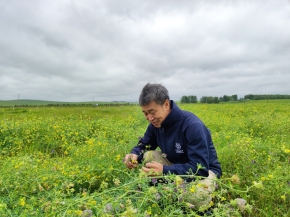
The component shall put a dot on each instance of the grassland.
(67, 161)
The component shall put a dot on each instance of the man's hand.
(153, 168)
(131, 161)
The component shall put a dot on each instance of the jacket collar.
(172, 117)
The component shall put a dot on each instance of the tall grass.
(68, 162)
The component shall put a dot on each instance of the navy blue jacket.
(185, 140)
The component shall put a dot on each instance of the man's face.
(155, 113)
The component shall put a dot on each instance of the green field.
(67, 161)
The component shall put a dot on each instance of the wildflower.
(235, 179)
(118, 157)
(108, 208)
(248, 208)
(40, 188)
(134, 161)
(22, 202)
(257, 184)
(192, 189)
(147, 214)
(129, 212)
(129, 202)
(152, 190)
(117, 182)
(104, 185)
(142, 174)
(240, 203)
(178, 180)
(122, 206)
(154, 181)
(3, 206)
(283, 197)
(189, 205)
(157, 196)
(78, 212)
(87, 213)
(263, 178)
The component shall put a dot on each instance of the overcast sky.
(105, 50)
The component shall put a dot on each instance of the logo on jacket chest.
(178, 149)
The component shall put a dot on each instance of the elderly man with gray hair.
(185, 142)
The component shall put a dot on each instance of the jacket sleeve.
(148, 142)
(197, 137)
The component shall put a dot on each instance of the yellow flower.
(178, 180)
(22, 202)
(235, 179)
(118, 157)
(149, 212)
(283, 197)
(192, 189)
(257, 184)
(117, 182)
(78, 212)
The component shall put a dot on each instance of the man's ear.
(167, 104)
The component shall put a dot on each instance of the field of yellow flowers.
(67, 161)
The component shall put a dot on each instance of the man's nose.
(150, 117)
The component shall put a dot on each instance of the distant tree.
(192, 99)
(184, 99)
(257, 97)
(203, 99)
(249, 96)
(209, 99)
(235, 97)
(215, 99)
(226, 98)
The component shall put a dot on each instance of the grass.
(67, 161)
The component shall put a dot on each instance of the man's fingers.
(151, 164)
(151, 171)
(147, 170)
(130, 160)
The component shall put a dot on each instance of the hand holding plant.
(153, 168)
(131, 161)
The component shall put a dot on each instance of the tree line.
(226, 98)
(266, 96)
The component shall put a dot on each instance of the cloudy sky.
(105, 50)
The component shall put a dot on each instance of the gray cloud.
(77, 50)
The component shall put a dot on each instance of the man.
(183, 139)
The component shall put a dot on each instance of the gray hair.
(153, 92)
